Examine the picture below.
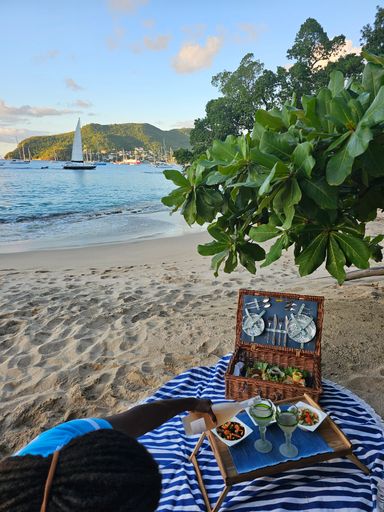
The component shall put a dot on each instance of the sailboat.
(77, 161)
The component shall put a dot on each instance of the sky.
(136, 61)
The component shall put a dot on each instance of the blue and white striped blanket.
(334, 485)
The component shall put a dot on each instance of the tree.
(310, 177)
(183, 156)
(373, 37)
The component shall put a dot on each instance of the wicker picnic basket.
(288, 354)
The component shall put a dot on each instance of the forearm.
(143, 418)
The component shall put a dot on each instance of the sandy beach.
(93, 330)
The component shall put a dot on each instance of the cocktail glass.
(263, 413)
(287, 417)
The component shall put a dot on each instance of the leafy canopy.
(310, 177)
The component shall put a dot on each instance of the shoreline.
(128, 252)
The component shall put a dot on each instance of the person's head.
(103, 471)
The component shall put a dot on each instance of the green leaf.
(276, 250)
(321, 193)
(188, 210)
(178, 179)
(219, 234)
(268, 120)
(264, 189)
(336, 143)
(244, 146)
(279, 144)
(263, 159)
(370, 57)
(373, 78)
(359, 140)
(324, 97)
(223, 151)
(303, 159)
(339, 167)
(175, 198)
(375, 112)
(255, 251)
(217, 260)
(310, 107)
(231, 262)
(373, 160)
(285, 200)
(341, 112)
(215, 178)
(211, 248)
(354, 248)
(336, 82)
(263, 232)
(335, 260)
(313, 255)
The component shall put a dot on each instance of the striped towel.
(333, 485)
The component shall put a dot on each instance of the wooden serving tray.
(330, 432)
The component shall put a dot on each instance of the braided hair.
(102, 471)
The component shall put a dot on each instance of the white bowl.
(247, 432)
(322, 415)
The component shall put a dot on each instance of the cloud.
(149, 23)
(71, 84)
(189, 123)
(11, 134)
(49, 55)
(82, 104)
(193, 57)
(157, 44)
(251, 31)
(116, 38)
(345, 50)
(196, 31)
(7, 112)
(125, 5)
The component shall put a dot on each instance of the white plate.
(247, 432)
(322, 415)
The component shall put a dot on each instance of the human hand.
(205, 406)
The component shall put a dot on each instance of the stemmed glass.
(288, 418)
(263, 413)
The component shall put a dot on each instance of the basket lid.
(281, 321)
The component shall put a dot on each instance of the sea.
(44, 206)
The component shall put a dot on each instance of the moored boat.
(77, 160)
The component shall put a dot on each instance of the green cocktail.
(263, 413)
(288, 418)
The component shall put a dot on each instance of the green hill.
(107, 138)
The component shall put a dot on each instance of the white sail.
(77, 148)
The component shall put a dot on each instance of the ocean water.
(53, 207)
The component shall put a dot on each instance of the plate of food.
(232, 432)
(310, 418)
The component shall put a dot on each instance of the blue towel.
(246, 458)
(334, 485)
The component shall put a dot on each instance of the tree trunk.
(369, 272)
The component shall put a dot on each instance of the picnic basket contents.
(277, 351)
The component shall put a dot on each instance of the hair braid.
(98, 472)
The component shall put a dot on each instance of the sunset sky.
(119, 61)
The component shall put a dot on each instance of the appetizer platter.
(310, 418)
(232, 432)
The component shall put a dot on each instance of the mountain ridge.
(104, 139)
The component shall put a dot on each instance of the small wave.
(83, 215)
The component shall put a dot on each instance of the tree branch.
(369, 272)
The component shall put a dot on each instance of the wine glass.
(262, 412)
(287, 417)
